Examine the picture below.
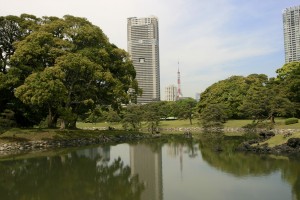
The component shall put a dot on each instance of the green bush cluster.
(291, 121)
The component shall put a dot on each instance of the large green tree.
(185, 109)
(289, 77)
(44, 89)
(132, 117)
(231, 93)
(266, 101)
(152, 115)
(92, 71)
(12, 30)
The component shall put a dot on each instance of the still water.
(169, 171)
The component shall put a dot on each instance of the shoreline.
(16, 147)
(289, 148)
(88, 137)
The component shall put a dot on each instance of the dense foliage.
(60, 69)
(256, 96)
(291, 121)
(151, 114)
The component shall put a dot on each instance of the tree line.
(256, 96)
(136, 116)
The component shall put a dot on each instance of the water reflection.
(253, 165)
(100, 154)
(154, 171)
(81, 174)
(147, 164)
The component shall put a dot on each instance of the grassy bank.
(279, 139)
(25, 135)
(19, 135)
(186, 123)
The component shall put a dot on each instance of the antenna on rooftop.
(179, 94)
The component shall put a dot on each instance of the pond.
(149, 171)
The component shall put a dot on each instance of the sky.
(209, 40)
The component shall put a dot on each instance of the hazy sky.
(212, 39)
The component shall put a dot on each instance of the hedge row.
(291, 121)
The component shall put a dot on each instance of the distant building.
(291, 29)
(171, 93)
(143, 47)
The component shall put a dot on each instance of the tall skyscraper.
(291, 29)
(143, 47)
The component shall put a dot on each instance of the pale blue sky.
(212, 39)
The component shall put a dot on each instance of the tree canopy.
(288, 77)
(64, 65)
(255, 96)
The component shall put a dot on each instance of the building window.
(141, 60)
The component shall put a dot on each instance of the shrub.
(291, 121)
(7, 119)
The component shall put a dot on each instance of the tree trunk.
(62, 124)
(51, 121)
(151, 127)
(191, 123)
(272, 118)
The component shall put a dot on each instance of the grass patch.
(280, 139)
(178, 123)
(22, 135)
(279, 124)
(18, 135)
(186, 123)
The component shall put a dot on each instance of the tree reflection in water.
(248, 164)
(67, 177)
(88, 174)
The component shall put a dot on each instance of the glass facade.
(291, 29)
(143, 47)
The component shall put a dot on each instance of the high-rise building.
(171, 93)
(291, 29)
(143, 47)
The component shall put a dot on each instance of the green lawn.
(237, 123)
(19, 135)
(186, 123)
(100, 124)
(23, 135)
(280, 139)
(178, 123)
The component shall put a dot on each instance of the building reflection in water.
(144, 162)
(147, 164)
(175, 150)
